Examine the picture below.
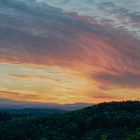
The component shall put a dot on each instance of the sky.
(69, 51)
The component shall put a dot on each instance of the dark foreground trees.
(106, 121)
(135, 136)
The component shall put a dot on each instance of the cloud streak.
(121, 80)
(19, 96)
(26, 77)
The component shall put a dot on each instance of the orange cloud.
(19, 96)
(28, 76)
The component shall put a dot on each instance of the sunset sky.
(68, 51)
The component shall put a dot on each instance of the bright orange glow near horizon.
(55, 55)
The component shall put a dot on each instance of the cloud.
(26, 77)
(58, 38)
(119, 14)
(104, 96)
(129, 80)
(19, 96)
(101, 54)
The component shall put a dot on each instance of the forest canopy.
(105, 121)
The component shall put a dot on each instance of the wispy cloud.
(19, 96)
(26, 77)
(129, 80)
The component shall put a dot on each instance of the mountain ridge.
(13, 104)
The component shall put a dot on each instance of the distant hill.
(33, 111)
(12, 104)
(105, 121)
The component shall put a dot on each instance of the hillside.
(106, 121)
